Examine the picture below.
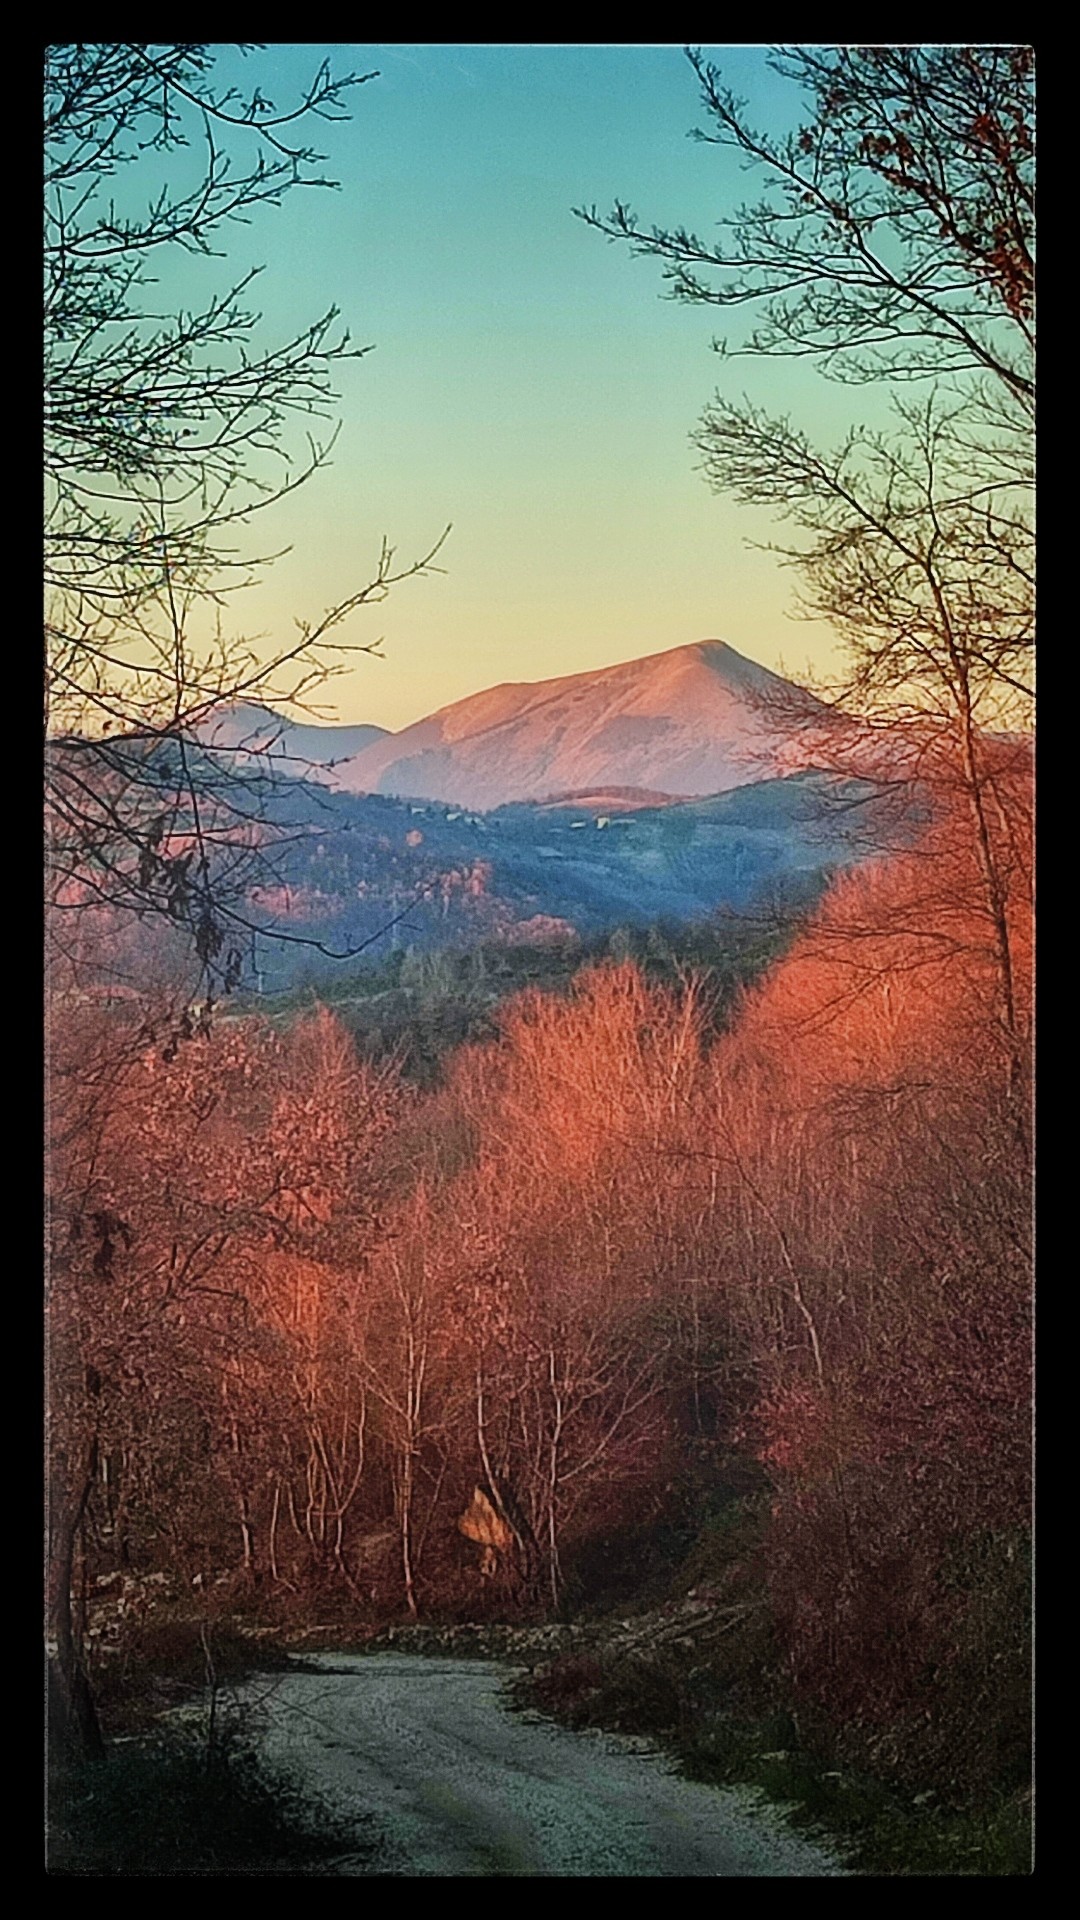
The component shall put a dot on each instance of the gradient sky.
(529, 382)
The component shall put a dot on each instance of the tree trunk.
(406, 1526)
(74, 1731)
(995, 895)
(554, 1569)
(247, 1528)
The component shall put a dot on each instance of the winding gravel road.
(446, 1778)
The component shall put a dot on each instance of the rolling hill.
(355, 869)
(254, 734)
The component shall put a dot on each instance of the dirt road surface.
(444, 1777)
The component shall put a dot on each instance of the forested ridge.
(622, 1277)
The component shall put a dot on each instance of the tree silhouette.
(167, 433)
(893, 245)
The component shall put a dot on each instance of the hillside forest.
(651, 1268)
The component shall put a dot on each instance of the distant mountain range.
(672, 788)
(304, 749)
(694, 720)
(353, 869)
(668, 787)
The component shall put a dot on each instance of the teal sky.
(528, 383)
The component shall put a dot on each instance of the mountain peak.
(693, 719)
(721, 658)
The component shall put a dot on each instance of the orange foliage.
(611, 1241)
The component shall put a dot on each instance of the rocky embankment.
(680, 1624)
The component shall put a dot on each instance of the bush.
(162, 1804)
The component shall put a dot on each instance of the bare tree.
(893, 244)
(411, 1372)
(167, 433)
(208, 1209)
(894, 236)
